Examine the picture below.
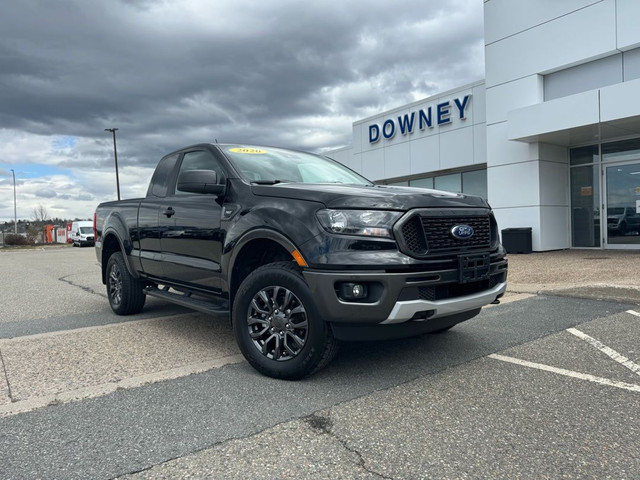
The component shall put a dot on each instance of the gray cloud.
(78, 197)
(46, 193)
(169, 73)
(74, 67)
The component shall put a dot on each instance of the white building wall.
(627, 16)
(620, 101)
(344, 156)
(528, 183)
(549, 44)
(523, 15)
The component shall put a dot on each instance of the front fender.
(290, 225)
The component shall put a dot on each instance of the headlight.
(367, 223)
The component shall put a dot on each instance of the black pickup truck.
(299, 252)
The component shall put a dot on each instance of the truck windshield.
(275, 165)
(86, 230)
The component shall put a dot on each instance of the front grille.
(424, 234)
(413, 235)
(428, 293)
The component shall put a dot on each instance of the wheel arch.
(256, 248)
(112, 243)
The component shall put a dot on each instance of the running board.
(186, 300)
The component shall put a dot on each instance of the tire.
(125, 293)
(277, 324)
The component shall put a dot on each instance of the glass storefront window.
(422, 182)
(621, 151)
(475, 183)
(399, 184)
(585, 206)
(449, 183)
(623, 204)
(583, 155)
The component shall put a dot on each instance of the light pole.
(15, 211)
(115, 154)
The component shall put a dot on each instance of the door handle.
(169, 212)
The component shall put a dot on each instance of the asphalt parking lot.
(545, 385)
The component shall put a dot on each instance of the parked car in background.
(621, 220)
(82, 233)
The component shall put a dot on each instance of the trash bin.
(517, 240)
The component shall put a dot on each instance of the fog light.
(352, 291)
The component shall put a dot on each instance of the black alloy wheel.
(114, 285)
(125, 293)
(277, 325)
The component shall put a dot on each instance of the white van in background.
(82, 233)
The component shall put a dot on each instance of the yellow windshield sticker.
(250, 151)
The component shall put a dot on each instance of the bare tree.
(40, 213)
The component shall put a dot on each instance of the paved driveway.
(541, 386)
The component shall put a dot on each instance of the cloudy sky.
(169, 73)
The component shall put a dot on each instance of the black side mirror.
(200, 181)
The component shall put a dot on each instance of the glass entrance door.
(622, 205)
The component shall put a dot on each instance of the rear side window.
(162, 176)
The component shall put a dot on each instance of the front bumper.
(405, 296)
(403, 311)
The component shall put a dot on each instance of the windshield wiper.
(270, 182)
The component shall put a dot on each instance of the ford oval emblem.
(462, 232)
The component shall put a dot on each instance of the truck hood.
(379, 197)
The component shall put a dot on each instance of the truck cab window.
(162, 176)
(199, 160)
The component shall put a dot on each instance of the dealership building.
(551, 137)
